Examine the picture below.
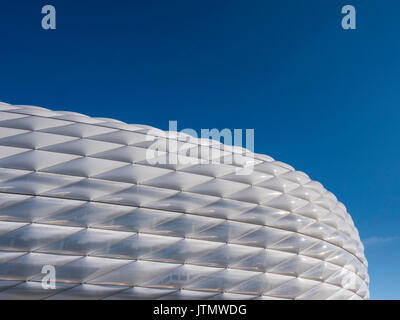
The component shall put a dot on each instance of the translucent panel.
(78, 117)
(355, 297)
(183, 250)
(263, 260)
(218, 188)
(240, 160)
(352, 283)
(226, 231)
(270, 168)
(340, 278)
(85, 242)
(315, 186)
(254, 177)
(210, 169)
(85, 167)
(255, 195)
(135, 273)
(278, 184)
(321, 250)
(34, 140)
(222, 281)
(87, 292)
(261, 215)
(86, 268)
(6, 106)
(177, 181)
(292, 222)
(224, 208)
(340, 257)
(184, 225)
(295, 266)
(9, 200)
(295, 243)
(9, 132)
(30, 123)
(313, 211)
(125, 154)
(183, 202)
(181, 277)
(7, 227)
(138, 219)
(325, 202)
(85, 214)
(263, 157)
(348, 230)
(321, 272)
(35, 160)
(6, 256)
(263, 237)
(11, 151)
(338, 238)
(333, 221)
(286, 202)
(137, 196)
(7, 116)
(188, 295)
(37, 183)
(342, 294)
(225, 256)
(121, 137)
(296, 176)
(31, 291)
(34, 236)
(305, 193)
(320, 292)
(261, 284)
(8, 174)
(133, 174)
(269, 298)
(170, 161)
(232, 296)
(82, 147)
(360, 269)
(8, 284)
(35, 208)
(318, 230)
(87, 189)
(363, 289)
(340, 212)
(137, 246)
(79, 130)
(208, 154)
(139, 293)
(161, 144)
(31, 264)
(35, 111)
(293, 288)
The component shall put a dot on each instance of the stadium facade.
(116, 220)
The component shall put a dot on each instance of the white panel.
(35, 160)
(87, 292)
(85, 167)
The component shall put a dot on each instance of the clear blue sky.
(324, 100)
